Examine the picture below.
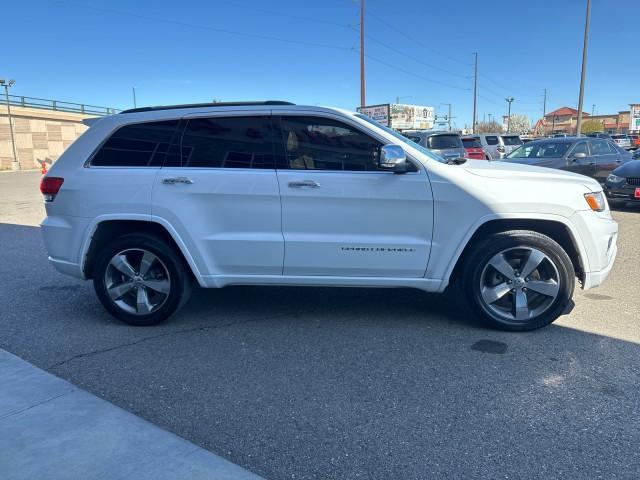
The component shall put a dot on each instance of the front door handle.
(173, 181)
(304, 183)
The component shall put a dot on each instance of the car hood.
(628, 169)
(522, 172)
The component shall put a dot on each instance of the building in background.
(565, 120)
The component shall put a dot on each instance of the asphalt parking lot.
(318, 383)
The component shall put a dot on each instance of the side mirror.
(578, 156)
(392, 157)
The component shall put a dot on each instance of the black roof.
(201, 105)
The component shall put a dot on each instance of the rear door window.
(136, 145)
(228, 142)
(599, 147)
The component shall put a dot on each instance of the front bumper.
(621, 191)
(599, 233)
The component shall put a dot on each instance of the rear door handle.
(173, 181)
(304, 183)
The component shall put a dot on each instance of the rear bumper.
(63, 237)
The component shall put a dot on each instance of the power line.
(417, 60)
(205, 27)
(409, 72)
(423, 45)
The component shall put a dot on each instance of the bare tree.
(488, 127)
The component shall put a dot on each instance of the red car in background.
(473, 149)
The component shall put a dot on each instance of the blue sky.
(305, 51)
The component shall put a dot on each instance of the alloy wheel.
(518, 284)
(137, 281)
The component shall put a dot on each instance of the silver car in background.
(446, 144)
(498, 145)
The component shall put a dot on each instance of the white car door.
(218, 190)
(342, 215)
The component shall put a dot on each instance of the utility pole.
(475, 90)
(584, 68)
(509, 100)
(593, 109)
(362, 83)
(489, 114)
(544, 112)
(135, 104)
(15, 165)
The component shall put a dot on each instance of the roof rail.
(201, 105)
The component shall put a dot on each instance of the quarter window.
(136, 145)
(315, 143)
(491, 140)
(228, 142)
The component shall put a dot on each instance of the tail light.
(50, 186)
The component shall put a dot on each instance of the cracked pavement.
(311, 383)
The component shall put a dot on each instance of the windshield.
(471, 143)
(541, 150)
(511, 140)
(402, 138)
(441, 142)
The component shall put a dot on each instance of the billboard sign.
(400, 116)
(634, 121)
(411, 117)
(379, 113)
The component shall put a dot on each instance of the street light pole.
(584, 68)
(15, 165)
(448, 115)
(135, 104)
(509, 100)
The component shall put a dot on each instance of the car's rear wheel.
(140, 279)
(518, 280)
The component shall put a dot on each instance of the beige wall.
(40, 135)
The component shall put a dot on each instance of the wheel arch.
(558, 230)
(105, 229)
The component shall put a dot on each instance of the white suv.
(148, 201)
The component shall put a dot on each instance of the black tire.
(178, 277)
(476, 269)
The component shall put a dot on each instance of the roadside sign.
(379, 113)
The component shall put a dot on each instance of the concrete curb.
(52, 429)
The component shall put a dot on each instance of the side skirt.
(425, 284)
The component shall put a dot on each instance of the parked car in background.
(560, 135)
(473, 148)
(634, 138)
(593, 157)
(598, 135)
(622, 141)
(623, 184)
(509, 143)
(446, 144)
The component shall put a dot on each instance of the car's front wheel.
(140, 279)
(518, 280)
